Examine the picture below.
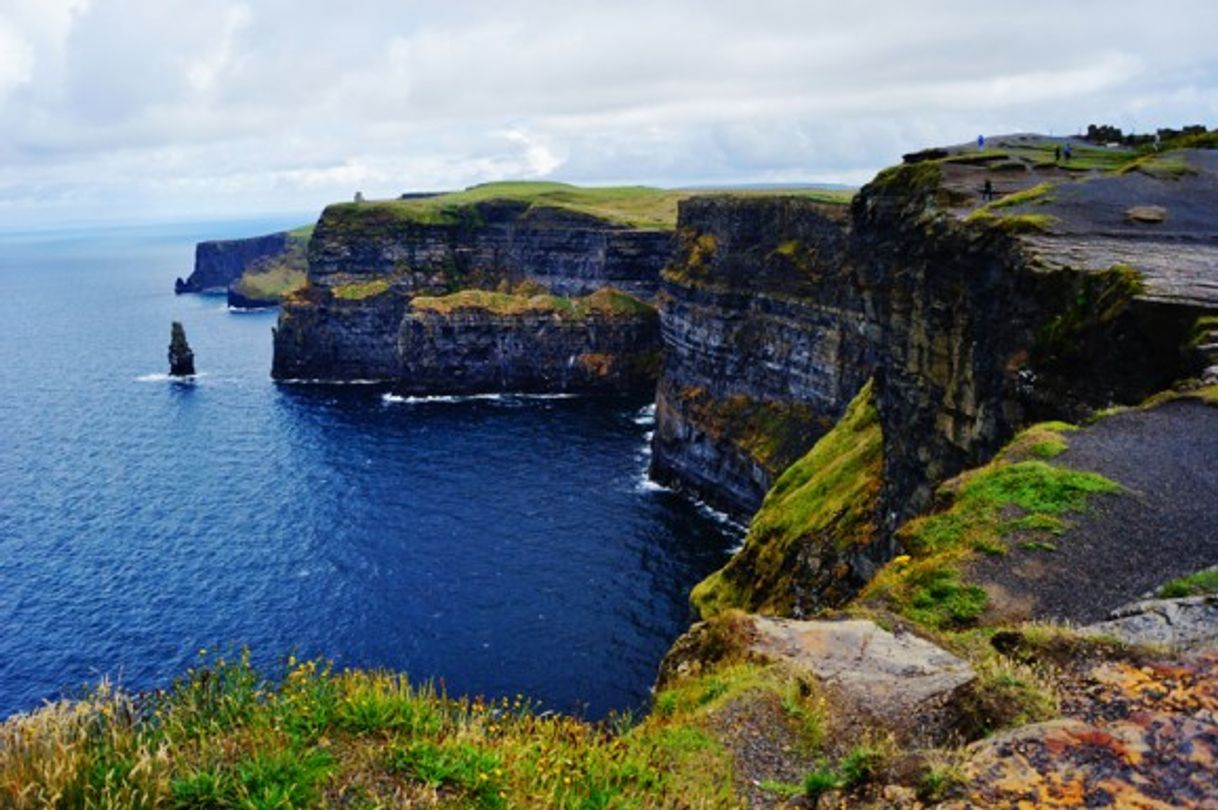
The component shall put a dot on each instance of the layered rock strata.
(986, 321)
(368, 261)
(567, 252)
(765, 343)
(475, 342)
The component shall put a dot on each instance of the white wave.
(646, 415)
(157, 378)
(251, 310)
(720, 517)
(509, 397)
(322, 381)
(646, 484)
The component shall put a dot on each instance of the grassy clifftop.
(640, 207)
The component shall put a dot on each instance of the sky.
(139, 110)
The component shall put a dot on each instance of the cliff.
(572, 241)
(764, 338)
(255, 272)
(268, 280)
(368, 260)
(978, 318)
(1049, 303)
(474, 341)
(220, 263)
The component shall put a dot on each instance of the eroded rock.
(1185, 622)
(889, 675)
(1150, 214)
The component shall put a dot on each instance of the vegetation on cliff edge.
(226, 737)
(606, 302)
(827, 499)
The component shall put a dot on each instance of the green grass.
(1202, 583)
(272, 281)
(1038, 194)
(1018, 496)
(359, 290)
(273, 278)
(303, 233)
(830, 494)
(1012, 223)
(226, 736)
(1164, 165)
(606, 302)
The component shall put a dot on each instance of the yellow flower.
(900, 559)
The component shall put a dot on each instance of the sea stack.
(181, 358)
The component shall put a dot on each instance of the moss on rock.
(824, 501)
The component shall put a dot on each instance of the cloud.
(16, 58)
(176, 106)
(205, 71)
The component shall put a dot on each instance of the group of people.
(1060, 152)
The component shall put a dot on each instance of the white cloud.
(181, 106)
(205, 71)
(16, 58)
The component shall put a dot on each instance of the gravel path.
(1126, 545)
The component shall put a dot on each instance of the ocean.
(494, 545)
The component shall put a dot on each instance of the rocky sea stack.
(181, 356)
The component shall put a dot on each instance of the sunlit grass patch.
(1018, 496)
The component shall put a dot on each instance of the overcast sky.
(134, 109)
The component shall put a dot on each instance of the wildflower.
(900, 559)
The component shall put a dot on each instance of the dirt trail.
(1126, 545)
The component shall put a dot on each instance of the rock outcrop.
(895, 681)
(1187, 621)
(181, 357)
(765, 343)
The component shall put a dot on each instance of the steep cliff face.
(988, 322)
(765, 343)
(219, 263)
(323, 336)
(568, 252)
(1063, 298)
(368, 260)
(478, 342)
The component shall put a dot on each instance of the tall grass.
(225, 736)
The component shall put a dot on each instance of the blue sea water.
(498, 546)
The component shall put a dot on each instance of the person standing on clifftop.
(980, 141)
(987, 191)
